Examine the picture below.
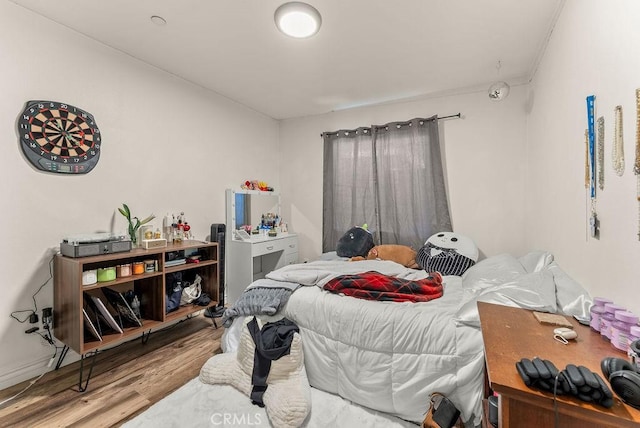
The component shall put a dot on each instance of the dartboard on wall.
(59, 137)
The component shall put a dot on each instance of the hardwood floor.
(126, 380)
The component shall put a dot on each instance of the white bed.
(390, 356)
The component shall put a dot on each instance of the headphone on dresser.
(624, 379)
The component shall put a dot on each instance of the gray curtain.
(348, 196)
(388, 176)
(412, 201)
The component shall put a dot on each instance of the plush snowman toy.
(448, 253)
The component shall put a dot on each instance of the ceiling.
(367, 51)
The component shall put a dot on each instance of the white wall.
(484, 165)
(593, 50)
(168, 146)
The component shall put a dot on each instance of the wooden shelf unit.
(150, 287)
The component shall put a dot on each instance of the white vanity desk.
(252, 258)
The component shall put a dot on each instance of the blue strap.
(592, 143)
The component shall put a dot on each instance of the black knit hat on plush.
(356, 242)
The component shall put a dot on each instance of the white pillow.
(331, 256)
(492, 271)
(571, 297)
(536, 260)
(535, 290)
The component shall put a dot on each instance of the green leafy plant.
(134, 223)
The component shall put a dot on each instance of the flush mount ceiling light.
(297, 19)
(499, 90)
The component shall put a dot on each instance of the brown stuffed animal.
(402, 254)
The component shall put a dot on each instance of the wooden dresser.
(511, 334)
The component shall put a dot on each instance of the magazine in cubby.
(120, 304)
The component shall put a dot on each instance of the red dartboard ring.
(59, 137)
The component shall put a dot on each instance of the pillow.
(448, 253)
(535, 291)
(492, 271)
(288, 396)
(536, 260)
(571, 297)
(357, 241)
(331, 256)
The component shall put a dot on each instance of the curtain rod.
(451, 116)
(458, 115)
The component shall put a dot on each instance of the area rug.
(200, 405)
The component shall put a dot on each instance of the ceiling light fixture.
(297, 19)
(499, 90)
(158, 20)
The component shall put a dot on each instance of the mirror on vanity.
(250, 257)
(246, 208)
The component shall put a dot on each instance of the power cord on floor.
(32, 317)
(49, 364)
(48, 337)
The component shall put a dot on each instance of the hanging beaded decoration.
(636, 165)
(601, 153)
(618, 146)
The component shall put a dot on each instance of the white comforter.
(387, 356)
(390, 356)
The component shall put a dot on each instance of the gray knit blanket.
(262, 297)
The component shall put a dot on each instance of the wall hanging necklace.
(58, 137)
(636, 165)
(618, 145)
(601, 153)
(593, 218)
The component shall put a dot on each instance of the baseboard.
(33, 370)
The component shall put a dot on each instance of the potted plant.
(134, 223)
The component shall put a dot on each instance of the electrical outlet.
(47, 316)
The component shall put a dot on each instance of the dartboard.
(59, 137)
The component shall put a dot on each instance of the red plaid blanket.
(375, 286)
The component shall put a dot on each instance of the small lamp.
(297, 19)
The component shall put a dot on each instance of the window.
(389, 177)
